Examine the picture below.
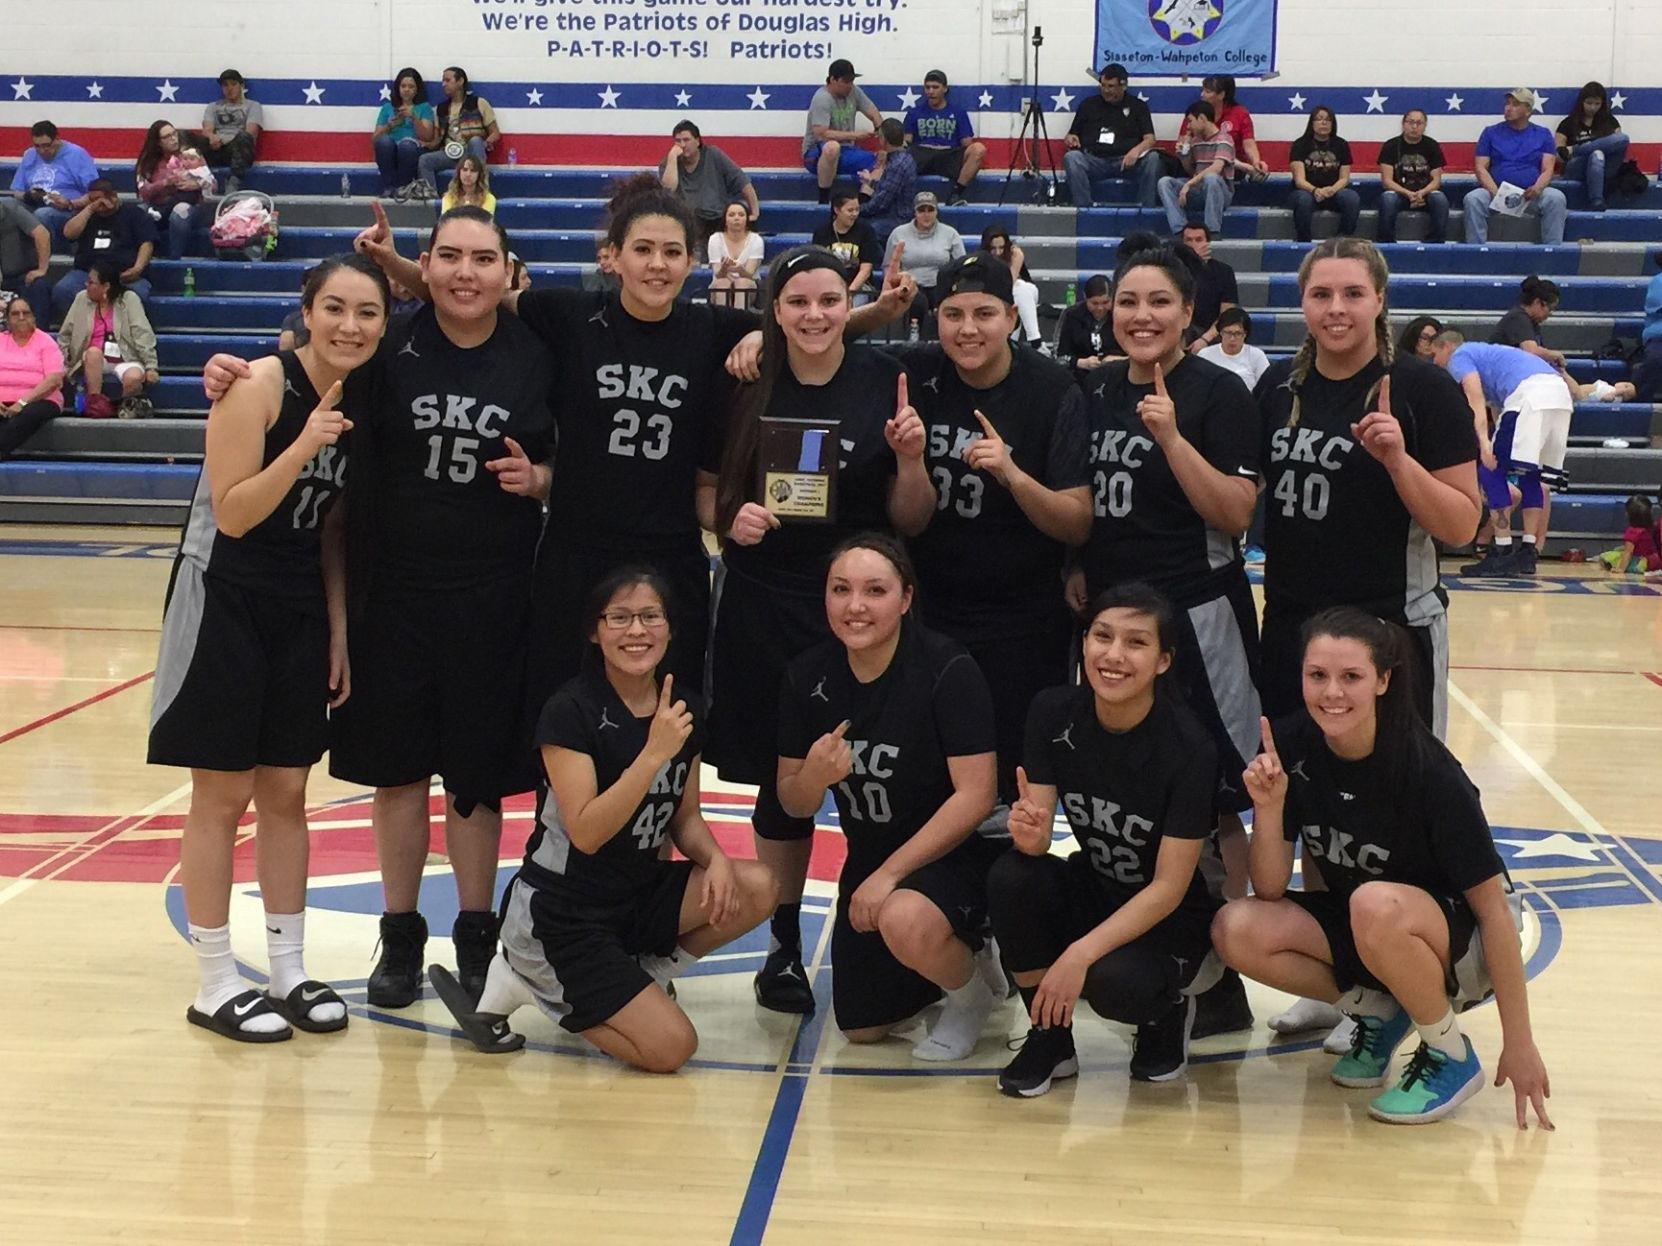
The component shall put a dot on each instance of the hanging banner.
(1166, 38)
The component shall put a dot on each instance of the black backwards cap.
(977, 274)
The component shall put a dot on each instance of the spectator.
(107, 340)
(1234, 120)
(107, 229)
(404, 128)
(25, 255)
(172, 181)
(471, 187)
(292, 333)
(1233, 350)
(519, 280)
(53, 177)
(466, 127)
(941, 138)
(1525, 155)
(1215, 288)
(1085, 333)
(31, 377)
(1320, 164)
(1209, 161)
(1112, 136)
(1411, 173)
(930, 245)
(1647, 376)
(1591, 144)
(603, 277)
(735, 258)
(892, 183)
(830, 144)
(1417, 336)
(706, 178)
(231, 129)
(851, 240)
(996, 241)
(1521, 327)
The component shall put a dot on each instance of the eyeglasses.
(618, 620)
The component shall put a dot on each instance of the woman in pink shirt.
(31, 377)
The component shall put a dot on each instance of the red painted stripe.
(1654, 678)
(79, 705)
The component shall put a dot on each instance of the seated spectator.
(1112, 136)
(930, 245)
(107, 341)
(1234, 120)
(892, 183)
(1591, 144)
(735, 258)
(107, 229)
(292, 333)
(53, 177)
(1417, 336)
(831, 145)
(1647, 376)
(1209, 166)
(471, 187)
(1215, 287)
(31, 377)
(1411, 174)
(706, 178)
(851, 240)
(519, 280)
(996, 241)
(466, 127)
(1233, 350)
(231, 129)
(942, 140)
(1085, 333)
(1320, 164)
(172, 180)
(1515, 151)
(603, 278)
(25, 255)
(1521, 327)
(404, 128)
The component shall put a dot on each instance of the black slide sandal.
(227, 1019)
(488, 1032)
(297, 1008)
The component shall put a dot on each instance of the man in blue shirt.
(53, 177)
(942, 139)
(1526, 155)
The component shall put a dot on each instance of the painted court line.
(92, 843)
(67, 710)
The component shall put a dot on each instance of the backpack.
(1630, 179)
(245, 226)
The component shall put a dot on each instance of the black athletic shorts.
(437, 684)
(1217, 666)
(1332, 913)
(945, 162)
(578, 954)
(242, 679)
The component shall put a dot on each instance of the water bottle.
(346, 186)
(513, 156)
(1072, 296)
(190, 283)
(80, 400)
(913, 332)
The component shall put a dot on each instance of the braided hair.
(1341, 248)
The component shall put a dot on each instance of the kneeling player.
(1123, 923)
(1416, 922)
(595, 925)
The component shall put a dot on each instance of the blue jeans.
(179, 218)
(1214, 190)
(53, 219)
(397, 159)
(1347, 203)
(432, 163)
(1082, 168)
(1551, 205)
(74, 281)
(1390, 203)
(1595, 163)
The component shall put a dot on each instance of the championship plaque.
(799, 469)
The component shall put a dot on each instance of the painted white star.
(533, 96)
(168, 92)
(1143, 95)
(1454, 101)
(386, 94)
(1540, 103)
(908, 99)
(1618, 100)
(758, 98)
(1061, 101)
(21, 89)
(986, 100)
(95, 90)
(1376, 101)
(1296, 101)
(608, 97)
(1555, 845)
(314, 93)
(683, 98)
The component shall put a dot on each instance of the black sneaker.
(1046, 1056)
(474, 935)
(1501, 560)
(1162, 1049)
(1223, 1009)
(958, 197)
(1525, 564)
(396, 981)
(782, 983)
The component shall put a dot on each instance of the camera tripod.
(1032, 149)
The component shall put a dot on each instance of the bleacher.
(108, 471)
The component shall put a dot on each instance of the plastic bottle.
(513, 156)
(80, 400)
(913, 332)
(1073, 293)
(346, 186)
(190, 283)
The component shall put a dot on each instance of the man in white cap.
(1519, 152)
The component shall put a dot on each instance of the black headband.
(805, 260)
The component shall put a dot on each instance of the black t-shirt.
(1516, 328)
(1336, 531)
(1145, 528)
(1574, 130)
(862, 397)
(1322, 160)
(984, 570)
(1123, 792)
(1105, 129)
(587, 716)
(1215, 288)
(1412, 163)
(858, 246)
(641, 408)
(1079, 335)
(116, 237)
(1430, 833)
(931, 704)
(440, 519)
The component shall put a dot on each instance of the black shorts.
(1332, 913)
(1282, 677)
(578, 954)
(1217, 667)
(945, 162)
(869, 987)
(242, 679)
(436, 689)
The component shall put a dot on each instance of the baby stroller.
(245, 226)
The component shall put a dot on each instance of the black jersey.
(280, 554)
(1429, 832)
(641, 408)
(587, 716)
(931, 704)
(861, 396)
(1123, 792)
(1079, 335)
(985, 571)
(441, 412)
(1336, 532)
(1144, 526)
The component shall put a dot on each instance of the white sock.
(1529, 538)
(1306, 1014)
(504, 990)
(1503, 542)
(1363, 1001)
(285, 942)
(666, 969)
(1444, 1034)
(991, 969)
(221, 981)
(958, 1028)
(1340, 1038)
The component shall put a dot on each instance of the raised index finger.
(842, 729)
(331, 398)
(1160, 381)
(899, 261)
(514, 448)
(1021, 782)
(986, 425)
(380, 215)
(902, 395)
(1269, 739)
(1384, 403)
(665, 690)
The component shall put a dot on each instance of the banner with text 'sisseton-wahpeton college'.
(1166, 38)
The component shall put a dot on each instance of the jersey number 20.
(1113, 494)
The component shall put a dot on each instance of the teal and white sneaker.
(1368, 1062)
(1432, 1086)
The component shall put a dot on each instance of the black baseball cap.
(230, 75)
(977, 274)
(842, 70)
(935, 75)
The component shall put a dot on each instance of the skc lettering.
(1340, 847)
(456, 412)
(1310, 445)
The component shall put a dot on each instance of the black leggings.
(16, 429)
